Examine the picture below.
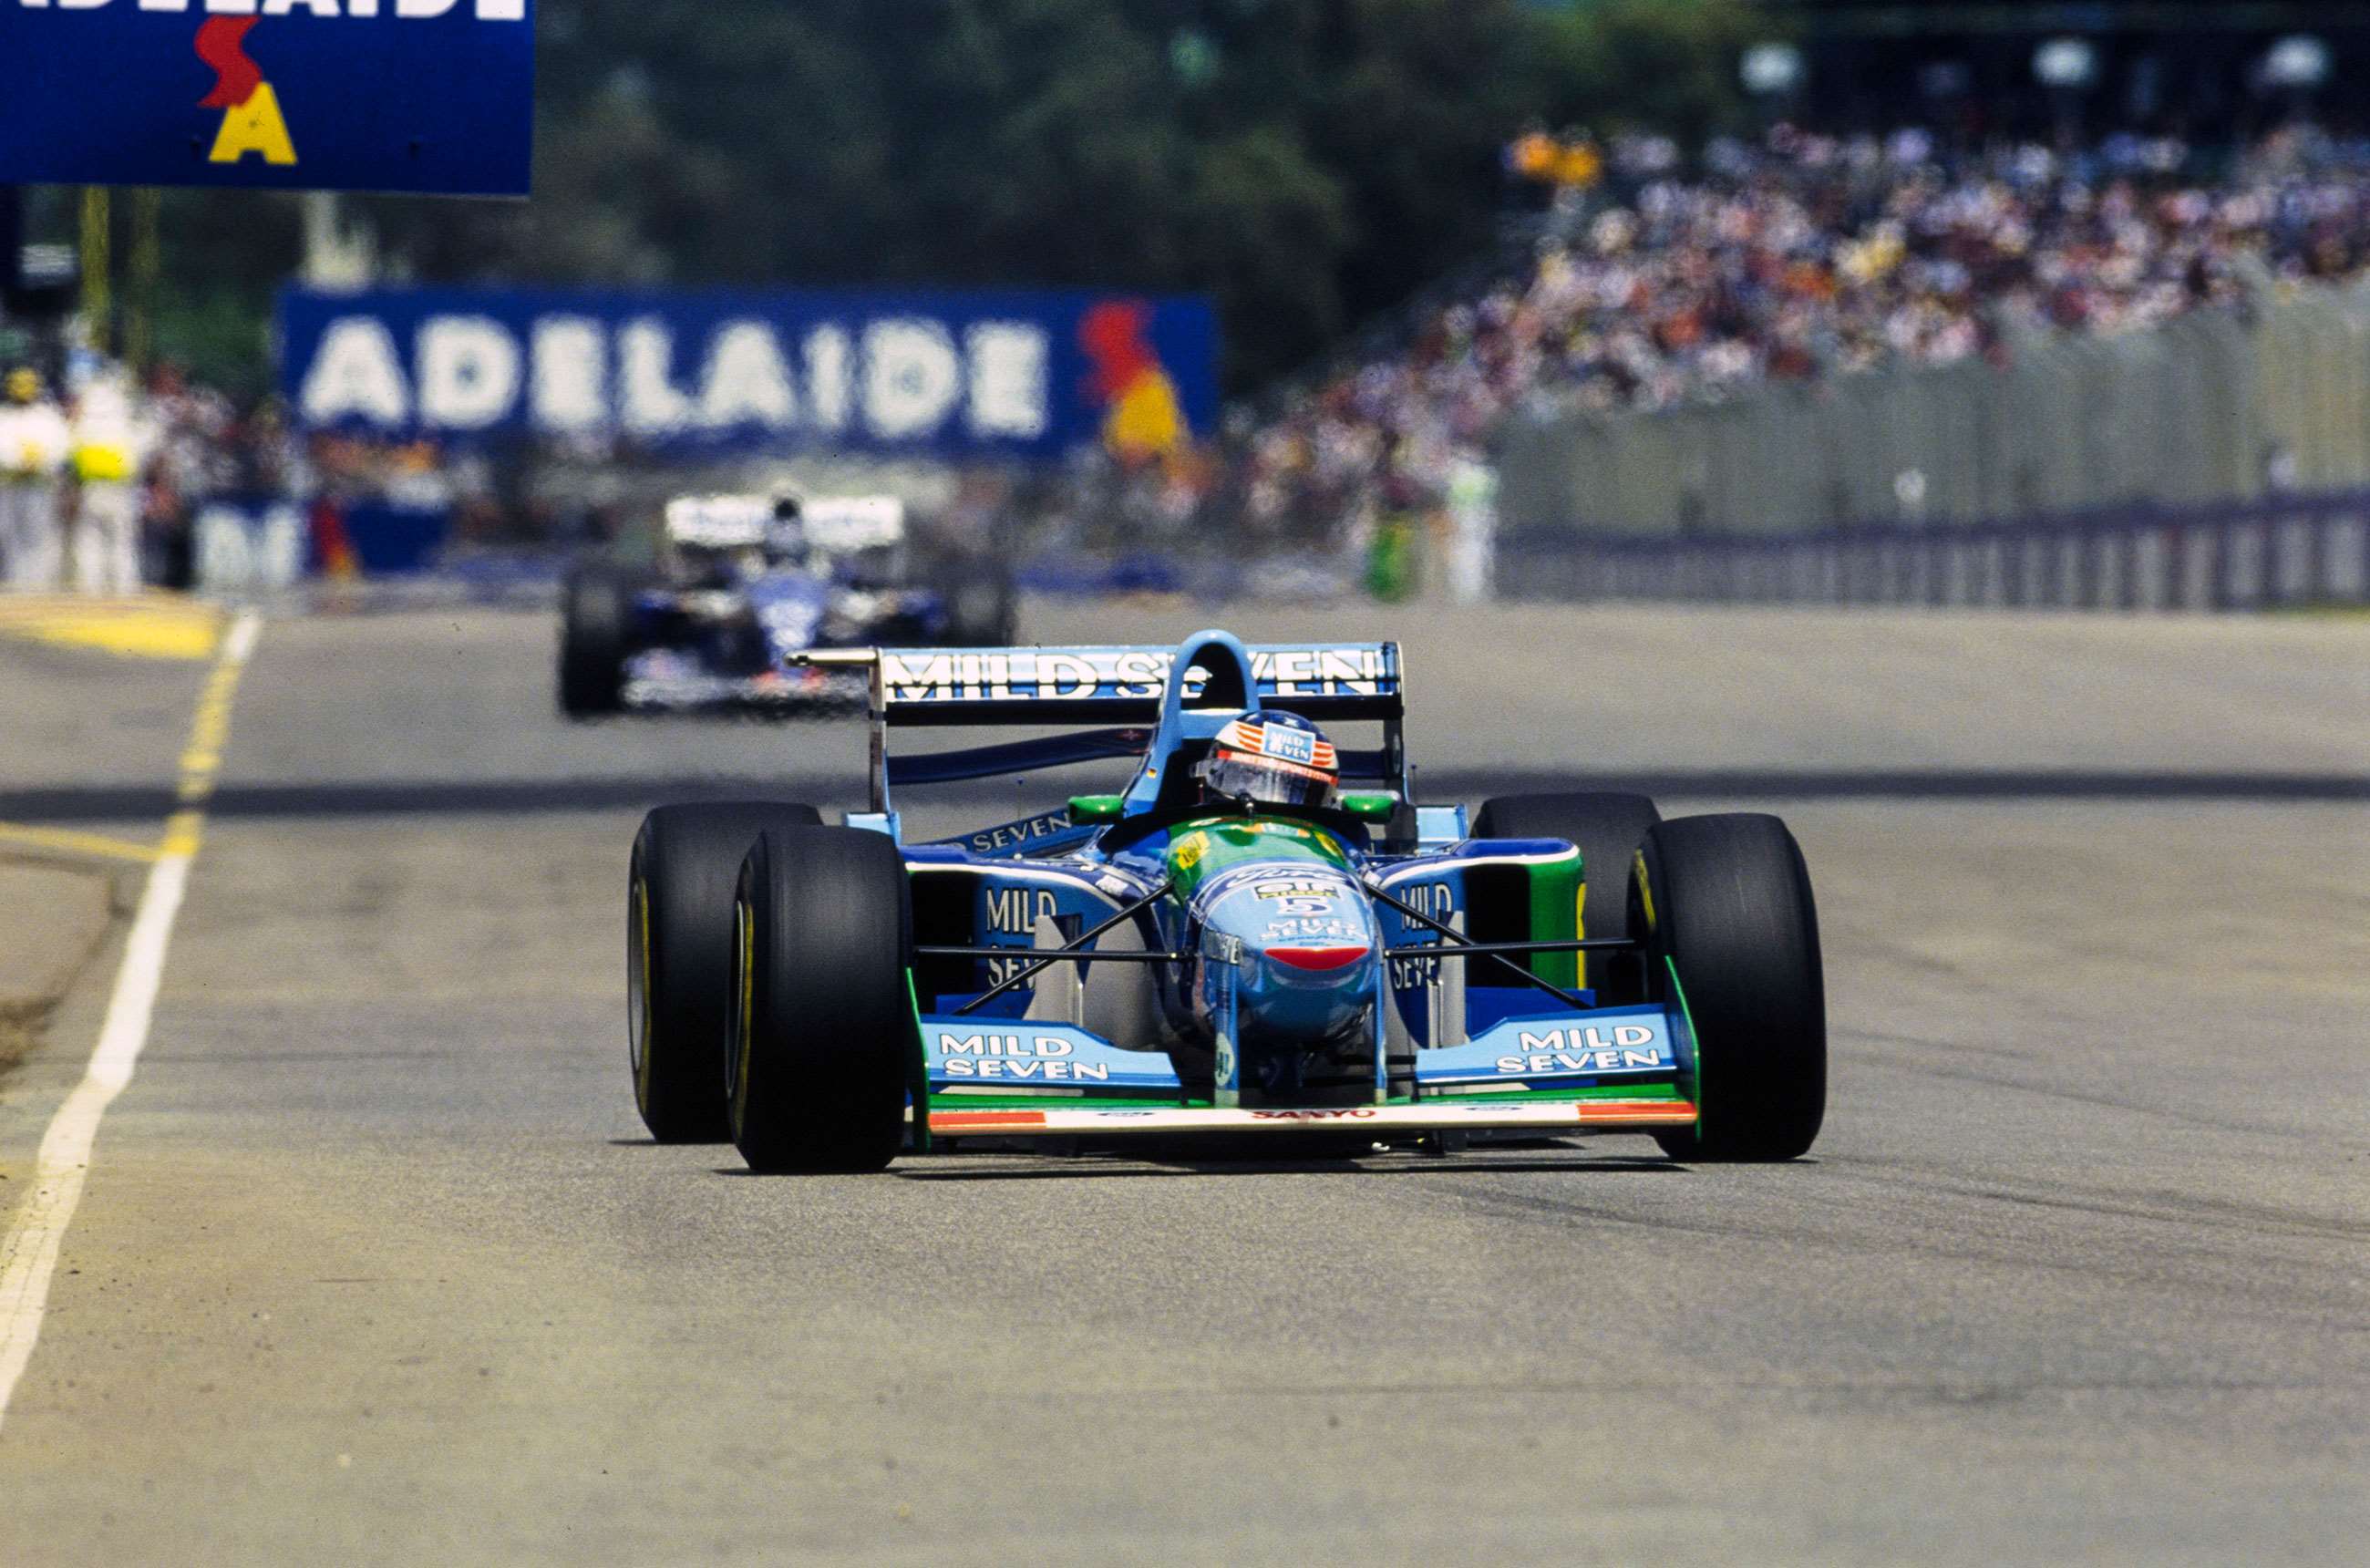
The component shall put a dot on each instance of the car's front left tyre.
(823, 1029)
(596, 622)
(1732, 934)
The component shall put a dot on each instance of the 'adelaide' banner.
(432, 96)
(1020, 372)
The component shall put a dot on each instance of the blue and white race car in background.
(746, 583)
(1159, 961)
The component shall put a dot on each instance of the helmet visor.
(1235, 775)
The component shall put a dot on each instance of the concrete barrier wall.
(2226, 405)
(2286, 551)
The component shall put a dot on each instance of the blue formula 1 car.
(747, 583)
(1261, 933)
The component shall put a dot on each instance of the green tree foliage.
(1665, 65)
(1306, 161)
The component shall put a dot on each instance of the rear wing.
(845, 524)
(720, 522)
(1117, 690)
(917, 687)
(841, 525)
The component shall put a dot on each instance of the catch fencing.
(2220, 460)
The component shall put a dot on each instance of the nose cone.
(1309, 951)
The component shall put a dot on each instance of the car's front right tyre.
(822, 1028)
(679, 957)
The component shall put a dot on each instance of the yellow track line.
(156, 626)
(73, 843)
(36, 1234)
(199, 762)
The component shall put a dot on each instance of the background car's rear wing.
(841, 525)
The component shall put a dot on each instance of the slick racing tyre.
(823, 1010)
(678, 958)
(1608, 828)
(595, 635)
(1726, 904)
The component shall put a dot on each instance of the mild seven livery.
(1259, 931)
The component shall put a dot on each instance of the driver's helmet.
(1276, 758)
(786, 541)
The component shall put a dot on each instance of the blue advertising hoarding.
(434, 95)
(1018, 374)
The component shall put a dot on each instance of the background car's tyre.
(1609, 827)
(1727, 902)
(823, 1014)
(678, 958)
(596, 608)
(980, 610)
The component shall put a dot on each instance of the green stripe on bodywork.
(1648, 1091)
(1555, 918)
(917, 1073)
(944, 1101)
(1694, 1086)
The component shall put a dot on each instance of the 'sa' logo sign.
(252, 122)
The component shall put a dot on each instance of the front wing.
(1612, 1069)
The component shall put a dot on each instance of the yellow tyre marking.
(642, 1054)
(744, 926)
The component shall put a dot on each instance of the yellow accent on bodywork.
(1580, 931)
(1645, 893)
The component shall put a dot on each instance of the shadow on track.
(531, 797)
(1581, 1165)
(1102, 1165)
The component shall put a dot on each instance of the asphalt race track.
(375, 1262)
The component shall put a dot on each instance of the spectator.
(112, 438)
(33, 446)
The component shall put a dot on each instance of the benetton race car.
(746, 581)
(1203, 953)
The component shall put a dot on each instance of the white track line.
(28, 1253)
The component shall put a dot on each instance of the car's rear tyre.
(823, 1009)
(1726, 903)
(1609, 827)
(678, 958)
(595, 635)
